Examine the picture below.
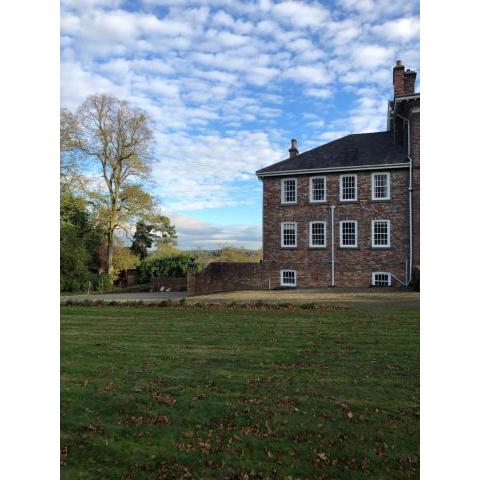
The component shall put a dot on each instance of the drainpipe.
(333, 244)
(410, 202)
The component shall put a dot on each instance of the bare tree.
(117, 138)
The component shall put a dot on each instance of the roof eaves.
(384, 166)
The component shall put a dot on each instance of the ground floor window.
(288, 278)
(348, 234)
(289, 234)
(381, 279)
(317, 232)
(380, 233)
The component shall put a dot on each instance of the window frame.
(354, 175)
(282, 226)
(291, 285)
(388, 245)
(282, 193)
(342, 222)
(324, 189)
(382, 273)
(375, 199)
(310, 234)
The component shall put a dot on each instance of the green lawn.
(236, 393)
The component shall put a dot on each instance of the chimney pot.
(399, 63)
(293, 149)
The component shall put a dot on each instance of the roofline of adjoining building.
(414, 96)
(279, 173)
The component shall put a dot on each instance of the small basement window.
(288, 278)
(381, 279)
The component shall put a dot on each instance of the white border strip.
(332, 169)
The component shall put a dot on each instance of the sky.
(228, 83)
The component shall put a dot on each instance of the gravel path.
(151, 297)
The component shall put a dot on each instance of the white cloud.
(300, 14)
(368, 56)
(193, 233)
(77, 83)
(219, 78)
(316, 74)
(402, 29)
(319, 92)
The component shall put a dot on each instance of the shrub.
(101, 282)
(175, 266)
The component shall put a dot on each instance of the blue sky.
(228, 83)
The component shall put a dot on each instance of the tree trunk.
(109, 259)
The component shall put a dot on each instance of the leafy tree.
(143, 239)
(176, 266)
(166, 231)
(115, 137)
(165, 250)
(123, 259)
(80, 240)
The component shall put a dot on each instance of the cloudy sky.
(230, 82)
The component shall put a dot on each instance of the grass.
(239, 393)
(371, 297)
(132, 289)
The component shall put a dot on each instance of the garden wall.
(227, 276)
(175, 283)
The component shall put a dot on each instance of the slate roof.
(356, 150)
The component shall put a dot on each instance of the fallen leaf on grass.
(203, 396)
(158, 419)
(63, 455)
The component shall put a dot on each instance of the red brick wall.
(224, 277)
(176, 284)
(353, 267)
(415, 153)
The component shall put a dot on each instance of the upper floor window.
(317, 234)
(380, 186)
(288, 278)
(318, 189)
(289, 234)
(381, 279)
(348, 188)
(380, 233)
(289, 190)
(348, 234)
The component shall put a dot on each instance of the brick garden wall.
(176, 284)
(224, 277)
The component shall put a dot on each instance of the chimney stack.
(293, 149)
(398, 79)
(403, 80)
(409, 82)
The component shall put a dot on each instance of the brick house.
(347, 213)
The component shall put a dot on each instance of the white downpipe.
(410, 202)
(333, 244)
